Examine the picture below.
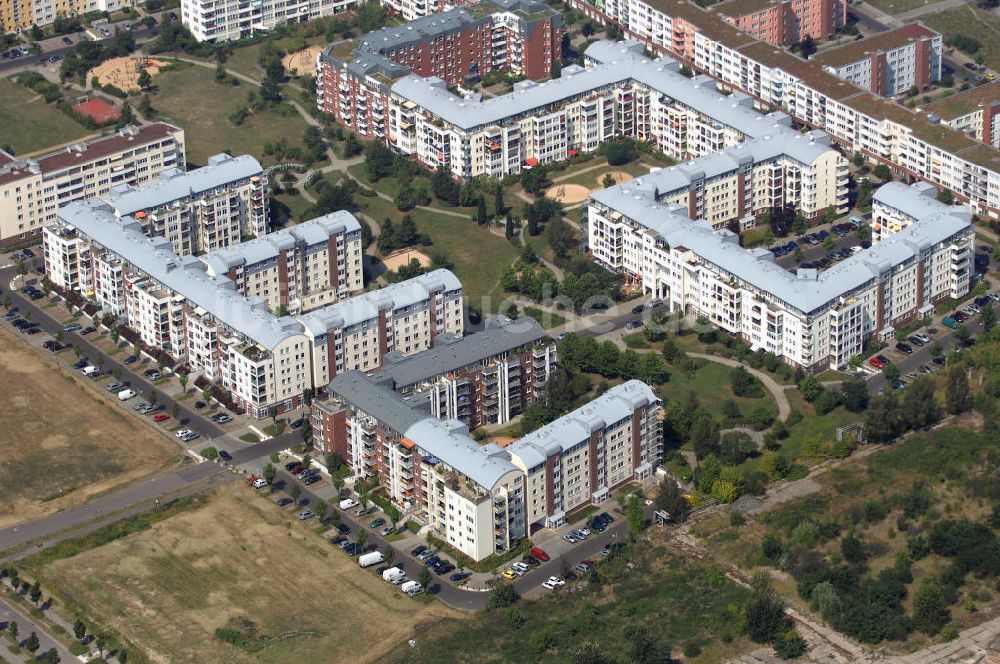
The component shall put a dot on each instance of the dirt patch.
(398, 259)
(61, 443)
(238, 557)
(568, 193)
(302, 62)
(618, 176)
(123, 73)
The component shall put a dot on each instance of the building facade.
(297, 269)
(810, 319)
(32, 189)
(975, 112)
(890, 63)
(266, 362)
(483, 499)
(912, 144)
(201, 210)
(519, 36)
(227, 20)
(19, 15)
(786, 22)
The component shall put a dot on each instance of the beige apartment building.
(32, 189)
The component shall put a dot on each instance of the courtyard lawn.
(976, 23)
(21, 109)
(207, 129)
(710, 384)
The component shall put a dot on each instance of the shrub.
(210, 453)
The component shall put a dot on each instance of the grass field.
(711, 385)
(976, 23)
(238, 558)
(81, 445)
(898, 6)
(687, 604)
(21, 108)
(592, 178)
(182, 99)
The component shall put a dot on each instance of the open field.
(976, 23)
(21, 108)
(236, 560)
(690, 604)
(61, 443)
(207, 129)
(899, 6)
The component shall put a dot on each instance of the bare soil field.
(60, 443)
(238, 562)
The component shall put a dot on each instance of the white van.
(90, 370)
(259, 483)
(125, 395)
(348, 503)
(412, 588)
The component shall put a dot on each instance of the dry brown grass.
(166, 589)
(61, 443)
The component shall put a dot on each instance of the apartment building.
(897, 206)
(226, 20)
(405, 317)
(201, 210)
(353, 78)
(975, 112)
(484, 378)
(265, 361)
(811, 319)
(296, 269)
(18, 15)
(912, 144)
(483, 499)
(786, 22)
(890, 63)
(32, 189)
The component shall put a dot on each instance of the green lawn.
(547, 319)
(21, 109)
(182, 98)
(976, 23)
(711, 385)
(898, 6)
(813, 428)
(297, 206)
(592, 179)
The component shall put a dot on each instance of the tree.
(144, 80)
(51, 657)
(789, 645)
(362, 539)
(32, 643)
(269, 472)
(499, 208)
(670, 351)
(920, 409)
(175, 410)
(853, 549)
(855, 394)
(736, 447)
(651, 369)
(670, 500)
(883, 421)
(891, 373)
(424, 578)
(882, 172)
(988, 318)
(957, 397)
(35, 593)
(151, 397)
(764, 615)
(12, 630)
(634, 514)
(501, 595)
(481, 214)
(79, 629)
(296, 492)
(810, 387)
(930, 608)
(321, 507)
(122, 656)
(704, 436)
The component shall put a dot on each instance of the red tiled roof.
(98, 110)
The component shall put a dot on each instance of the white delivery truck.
(348, 503)
(394, 575)
(125, 395)
(411, 588)
(369, 559)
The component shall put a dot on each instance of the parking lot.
(814, 254)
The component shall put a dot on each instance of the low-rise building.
(297, 269)
(786, 22)
(32, 189)
(810, 319)
(200, 210)
(518, 36)
(975, 111)
(483, 499)
(484, 378)
(890, 63)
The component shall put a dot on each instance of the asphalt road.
(141, 33)
(25, 626)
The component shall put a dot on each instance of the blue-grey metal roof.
(806, 291)
(185, 276)
(617, 63)
(556, 437)
(917, 200)
(500, 336)
(267, 247)
(361, 392)
(367, 305)
(173, 185)
(450, 442)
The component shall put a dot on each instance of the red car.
(540, 554)
(161, 417)
(877, 363)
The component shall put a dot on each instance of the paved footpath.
(25, 626)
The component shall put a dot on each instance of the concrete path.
(931, 8)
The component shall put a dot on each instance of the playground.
(403, 257)
(123, 73)
(568, 194)
(302, 62)
(617, 176)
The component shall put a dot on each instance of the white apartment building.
(201, 210)
(32, 189)
(975, 112)
(266, 362)
(482, 499)
(911, 143)
(297, 269)
(889, 63)
(225, 20)
(809, 318)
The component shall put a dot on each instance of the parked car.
(377, 523)
(344, 529)
(90, 329)
(284, 500)
(312, 479)
(72, 327)
(638, 310)
(916, 341)
(571, 538)
(417, 551)
(633, 325)
(508, 574)
(455, 578)
(161, 417)
(225, 456)
(539, 553)
(948, 321)
(131, 359)
(305, 514)
(553, 582)
(904, 348)
(876, 362)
